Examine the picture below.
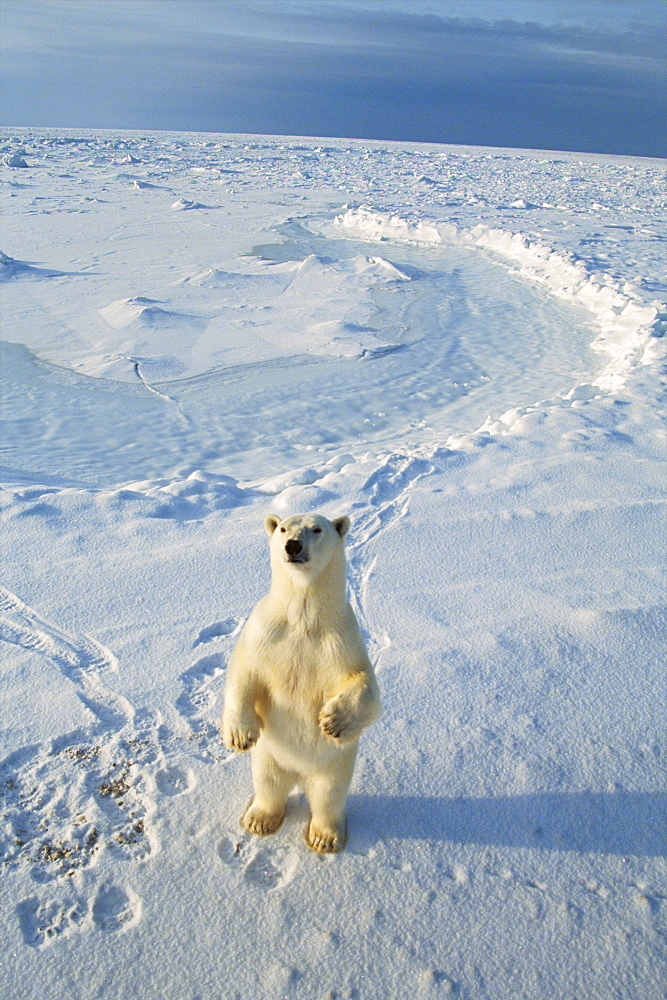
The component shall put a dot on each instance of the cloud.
(383, 70)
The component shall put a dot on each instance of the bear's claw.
(240, 739)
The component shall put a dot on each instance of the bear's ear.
(271, 523)
(341, 524)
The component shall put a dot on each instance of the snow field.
(507, 833)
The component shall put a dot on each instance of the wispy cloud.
(372, 70)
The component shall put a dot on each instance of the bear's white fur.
(300, 687)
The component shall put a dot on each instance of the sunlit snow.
(463, 350)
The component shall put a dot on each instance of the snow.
(463, 350)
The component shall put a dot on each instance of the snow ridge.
(629, 327)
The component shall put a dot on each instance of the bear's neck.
(313, 602)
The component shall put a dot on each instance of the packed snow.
(462, 349)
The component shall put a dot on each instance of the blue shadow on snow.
(623, 823)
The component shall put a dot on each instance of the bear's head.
(305, 544)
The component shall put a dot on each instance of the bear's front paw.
(337, 722)
(240, 736)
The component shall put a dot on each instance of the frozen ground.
(463, 350)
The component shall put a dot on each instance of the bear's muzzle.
(296, 553)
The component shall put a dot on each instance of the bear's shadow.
(622, 823)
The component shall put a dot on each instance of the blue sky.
(585, 75)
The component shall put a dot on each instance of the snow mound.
(346, 340)
(379, 268)
(212, 277)
(143, 312)
(15, 160)
(192, 498)
(184, 205)
(12, 270)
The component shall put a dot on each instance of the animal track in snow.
(263, 867)
(175, 781)
(200, 684)
(264, 870)
(66, 803)
(43, 921)
(79, 657)
(229, 628)
(69, 803)
(85, 791)
(197, 696)
(388, 488)
(116, 908)
(232, 851)
(127, 808)
(388, 491)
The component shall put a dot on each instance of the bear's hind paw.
(259, 822)
(325, 840)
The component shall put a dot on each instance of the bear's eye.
(283, 530)
(317, 531)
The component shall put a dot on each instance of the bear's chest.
(285, 643)
(303, 661)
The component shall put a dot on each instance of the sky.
(583, 75)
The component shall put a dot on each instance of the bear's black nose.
(293, 547)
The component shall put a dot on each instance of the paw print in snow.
(264, 868)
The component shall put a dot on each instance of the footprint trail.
(385, 499)
(87, 795)
(80, 659)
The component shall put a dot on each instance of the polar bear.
(300, 687)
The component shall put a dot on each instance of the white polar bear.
(300, 687)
